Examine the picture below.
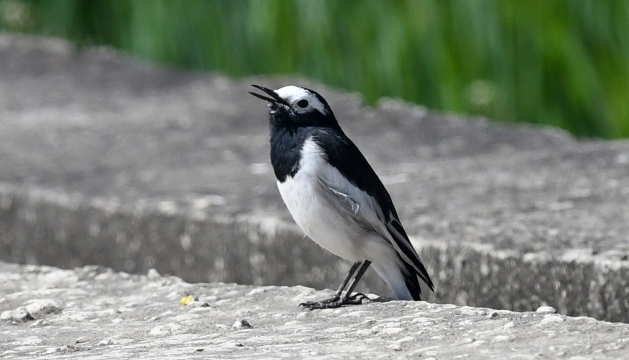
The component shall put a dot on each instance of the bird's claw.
(322, 304)
(356, 299)
(335, 302)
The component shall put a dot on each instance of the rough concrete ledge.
(95, 313)
(72, 230)
(157, 168)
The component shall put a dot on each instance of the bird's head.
(297, 106)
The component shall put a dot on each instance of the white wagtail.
(335, 196)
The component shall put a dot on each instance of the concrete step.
(106, 160)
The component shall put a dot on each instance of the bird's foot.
(322, 304)
(335, 302)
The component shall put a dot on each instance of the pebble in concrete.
(32, 310)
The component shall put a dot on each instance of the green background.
(559, 63)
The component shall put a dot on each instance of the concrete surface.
(106, 160)
(95, 313)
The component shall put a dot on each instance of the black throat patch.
(286, 144)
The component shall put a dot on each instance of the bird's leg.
(338, 293)
(347, 299)
(356, 299)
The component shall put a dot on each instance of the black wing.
(343, 154)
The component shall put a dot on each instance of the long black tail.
(412, 265)
(412, 281)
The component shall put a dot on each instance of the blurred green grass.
(559, 63)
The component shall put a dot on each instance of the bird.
(335, 196)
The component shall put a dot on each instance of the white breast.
(316, 217)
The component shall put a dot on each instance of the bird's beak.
(274, 99)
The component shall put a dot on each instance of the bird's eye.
(302, 104)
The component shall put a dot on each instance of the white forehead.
(293, 94)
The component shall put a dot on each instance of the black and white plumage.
(335, 196)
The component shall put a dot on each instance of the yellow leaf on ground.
(187, 300)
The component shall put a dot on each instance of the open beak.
(274, 98)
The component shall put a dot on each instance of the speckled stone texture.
(106, 160)
(100, 314)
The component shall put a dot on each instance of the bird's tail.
(412, 282)
(410, 267)
(402, 278)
